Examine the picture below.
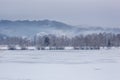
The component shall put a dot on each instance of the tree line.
(51, 40)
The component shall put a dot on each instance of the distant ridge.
(31, 28)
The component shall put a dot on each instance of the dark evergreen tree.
(109, 43)
(46, 41)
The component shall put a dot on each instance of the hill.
(31, 28)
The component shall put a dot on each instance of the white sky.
(75, 12)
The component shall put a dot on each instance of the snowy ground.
(60, 65)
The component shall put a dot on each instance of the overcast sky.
(75, 12)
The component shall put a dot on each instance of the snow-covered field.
(60, 65)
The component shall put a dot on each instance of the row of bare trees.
(90, 40)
